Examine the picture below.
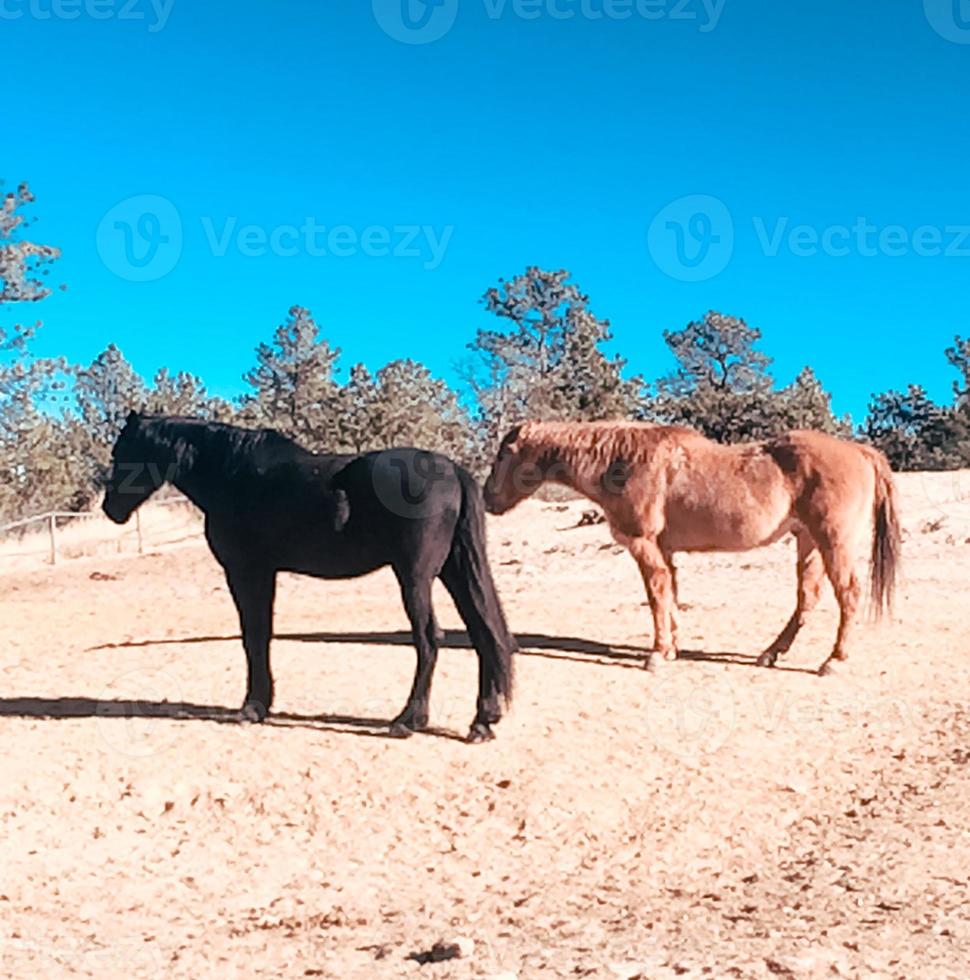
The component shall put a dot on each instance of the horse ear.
(341, 512)
(133, 418)
(512, 436)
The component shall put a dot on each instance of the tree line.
(545, 356)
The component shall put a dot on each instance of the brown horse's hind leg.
(658, 579)
(848, 591)
(675, 598)
(811, 575)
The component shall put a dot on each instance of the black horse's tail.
(468, 578)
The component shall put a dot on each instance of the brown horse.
(666, 489)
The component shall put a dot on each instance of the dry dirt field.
(712, 820)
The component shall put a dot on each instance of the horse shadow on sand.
(68, 708)
(563, 648)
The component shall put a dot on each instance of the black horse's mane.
(229, 447)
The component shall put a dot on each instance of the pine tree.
(357, 400)
(294, 384)
(403, 405)
(718, 352)
(106, 391)
(914, 432)
(549, 363)
(412, 408)
(721, 385)
(723, 388)
(959, 357)
(805, 404)
(23, 263)
(33, 470)
(184, 394)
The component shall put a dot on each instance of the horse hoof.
(767, 659)
(479, 733)
(831, 668)
(252, 713)
(399, 730)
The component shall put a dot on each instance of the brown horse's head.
(516, 473)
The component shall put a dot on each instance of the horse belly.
(318, 566)
(333, 559)
(726, 525)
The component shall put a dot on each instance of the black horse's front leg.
(253, 591)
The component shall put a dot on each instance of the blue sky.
(803, 165)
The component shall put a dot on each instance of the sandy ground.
(713, 820)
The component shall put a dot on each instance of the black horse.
(272, 506)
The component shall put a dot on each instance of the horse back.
(338, 516)
(728, 498)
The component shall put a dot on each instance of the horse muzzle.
(114, 511)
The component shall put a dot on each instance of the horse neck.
(575, 467)
(560, 467)
(193, 474)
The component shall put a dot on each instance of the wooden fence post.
(53, 534)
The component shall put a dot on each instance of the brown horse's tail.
(887, 539)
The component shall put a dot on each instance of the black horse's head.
(139, 466)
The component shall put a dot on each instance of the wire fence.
(53, 524)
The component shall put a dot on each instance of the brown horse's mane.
(588, 447)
